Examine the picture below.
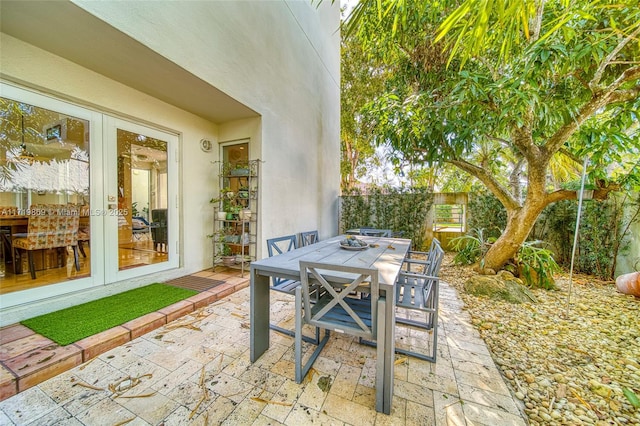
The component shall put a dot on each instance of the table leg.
(385, 353)
(390, 348)
(258, 315)
(381, 378)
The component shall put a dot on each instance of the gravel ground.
(567, 363)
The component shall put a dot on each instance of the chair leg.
(32, 264)
(17, 262)
(302, 370)
(81, 248)
(298, 336)
(75, 258)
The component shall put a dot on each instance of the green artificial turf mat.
(77, 322)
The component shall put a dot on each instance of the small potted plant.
(224, 201)
(226, 255)
(245, 214)
(240, 169)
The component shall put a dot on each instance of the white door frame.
(111, 125)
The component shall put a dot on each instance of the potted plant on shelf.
(245, 214)
(226, 201)
(240, 169)
(226, 255)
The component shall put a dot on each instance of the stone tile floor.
(195, 370)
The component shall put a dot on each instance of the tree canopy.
(508, 91)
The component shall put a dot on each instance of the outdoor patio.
(196, 370)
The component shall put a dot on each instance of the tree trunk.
(519, 224)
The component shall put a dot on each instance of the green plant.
(486, 212)
(225, 250)
(228, 167)
(227, 202)
(470, 248)
(604, 233)
(536, 265)
(402, 210)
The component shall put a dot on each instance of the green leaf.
(632, 397)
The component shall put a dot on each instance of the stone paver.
(199, 373)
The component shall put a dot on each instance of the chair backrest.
(281, 245)
(436, 255)
(372, 232)
(52, 225)
(335, 310)
(308, 238)
(159, 217)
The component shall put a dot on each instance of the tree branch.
(507, 200)
(625, 95)
(598, 100)
(561, 194)
(595, 81)
(537, 23)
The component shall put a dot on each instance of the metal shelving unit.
(236, 231)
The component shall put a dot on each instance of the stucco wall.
(279, 58)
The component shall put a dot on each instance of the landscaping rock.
(572, 358)
(503, 286)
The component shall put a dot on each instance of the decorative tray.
(348, 247)
(352, 243)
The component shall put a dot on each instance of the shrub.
(401, 210)
(470, 248)
(536, 265)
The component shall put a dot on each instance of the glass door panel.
(142, 200)
(44, 190)
(140, 209)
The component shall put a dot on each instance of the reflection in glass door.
(143, 234)
(45, 229)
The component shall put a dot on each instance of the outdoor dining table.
(384, 254)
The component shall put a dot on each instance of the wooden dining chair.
(308, 238)
(84, 229)
(52, 226)
(335, 310)
(276, 246)
(417, 292)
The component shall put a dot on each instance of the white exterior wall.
(279, 58)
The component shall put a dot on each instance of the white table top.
(384, 254)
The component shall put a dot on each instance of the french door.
(140, 199)
(121, 175)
